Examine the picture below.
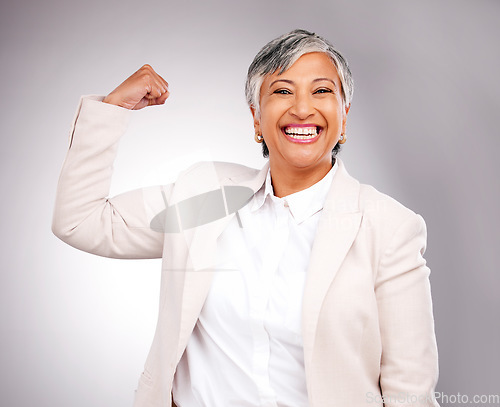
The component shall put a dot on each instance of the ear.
(256, 120)
(344, 120)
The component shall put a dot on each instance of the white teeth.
(301, 132)
(302, 137)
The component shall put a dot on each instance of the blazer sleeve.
(409, 365)
(84, 216)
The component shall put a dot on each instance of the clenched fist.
(143, 88)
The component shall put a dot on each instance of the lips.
(302, 133)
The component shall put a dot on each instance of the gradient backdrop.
(423, 128)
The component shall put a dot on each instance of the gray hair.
(282, 52)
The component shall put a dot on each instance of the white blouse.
(246, 347)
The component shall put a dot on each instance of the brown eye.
(324, 90)
(283, 92)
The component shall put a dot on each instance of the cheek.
(334, 116)
(271, 111)
(269, 119)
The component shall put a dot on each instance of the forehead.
(308, 67)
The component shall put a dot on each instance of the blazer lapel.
(337, 230)
(201, 246)
(202, 240)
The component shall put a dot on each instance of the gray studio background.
(423, 127)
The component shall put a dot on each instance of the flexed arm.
(84, 216)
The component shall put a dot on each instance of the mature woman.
(294, 285)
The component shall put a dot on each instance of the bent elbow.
(60, 230)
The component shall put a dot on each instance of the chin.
(308, 161)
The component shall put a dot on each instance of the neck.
(289, 181)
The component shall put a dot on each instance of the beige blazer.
(367, 321)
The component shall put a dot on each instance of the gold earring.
(258, 137)
(342, 139)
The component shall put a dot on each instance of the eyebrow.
(315, 80)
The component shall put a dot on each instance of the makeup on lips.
(302, 133)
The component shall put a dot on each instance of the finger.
(153, 102)
(155, 87)
(161, 83)
(145, 101)
(142, 103)
(159, 89)
(154, 93)
(158, 77)
(152, 77)
(154, 90)
(161, 100)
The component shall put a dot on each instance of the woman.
(294, 285)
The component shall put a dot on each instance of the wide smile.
(302, 133)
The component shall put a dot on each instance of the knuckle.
(146, 77)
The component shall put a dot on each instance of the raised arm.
(84, 216)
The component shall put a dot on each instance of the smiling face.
(302, 116)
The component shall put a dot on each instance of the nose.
(303, 106)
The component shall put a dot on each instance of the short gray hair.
(282, 52)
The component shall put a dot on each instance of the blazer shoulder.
(384, 210)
